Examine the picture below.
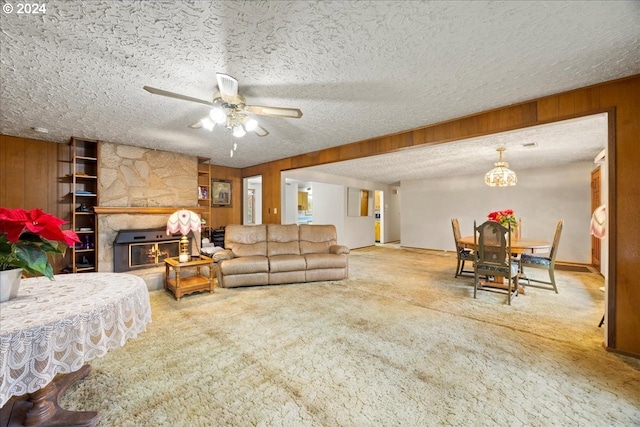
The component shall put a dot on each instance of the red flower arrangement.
(506, 218)
(27, 237)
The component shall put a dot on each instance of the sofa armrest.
(339, 250)
(223, 255)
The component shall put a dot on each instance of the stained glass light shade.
(501, 175)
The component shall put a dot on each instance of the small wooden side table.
(180, 286)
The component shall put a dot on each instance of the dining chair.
(492, 244)
(463, 253)
(543, 262)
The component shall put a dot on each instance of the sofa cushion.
(279, 263)
(246, 240)
(323, 274)
(236, 280)
(317, 239)
(287, 277)
(245, 265)
(318, 261)
(282, 240)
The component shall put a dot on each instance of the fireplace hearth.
(144, 248)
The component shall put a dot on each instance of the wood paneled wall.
(221, 216)
(31, 176)
(620, 98)
(30, 173)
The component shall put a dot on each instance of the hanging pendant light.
(501, 175)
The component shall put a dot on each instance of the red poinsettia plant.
(27, 237)
(506, 218)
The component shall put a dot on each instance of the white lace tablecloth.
(55, 327)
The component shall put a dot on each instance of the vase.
(9, 283)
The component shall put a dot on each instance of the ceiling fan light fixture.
(229, 110)
(501, 175)
(207, 123)
(250, 124)
(218, 115)
(238, 131)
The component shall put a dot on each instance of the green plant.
(28, 237)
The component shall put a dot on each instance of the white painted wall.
(290, 203)
(354, 232)
(541, 198)
(328, 201)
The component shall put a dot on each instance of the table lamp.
(183, 221)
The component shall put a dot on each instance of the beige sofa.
(270, 254)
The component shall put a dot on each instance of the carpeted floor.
(400, 343)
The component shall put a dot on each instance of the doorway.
(252, 200)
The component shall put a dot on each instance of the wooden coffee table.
(185, 285)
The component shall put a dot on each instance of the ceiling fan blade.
(196, 125)
(161, 92)
(293, 113)
(228, 87)
(260, 131)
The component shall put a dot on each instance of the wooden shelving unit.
(204, 194)
(84, 198)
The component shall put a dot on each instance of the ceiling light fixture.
(501, 175)
(232, 118)
(218, 115)
(208, 124)
(238, 131)
(250, 124)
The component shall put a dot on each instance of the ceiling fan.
(229, 109)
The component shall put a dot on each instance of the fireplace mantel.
(155, 210)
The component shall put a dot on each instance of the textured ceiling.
(571, 141)
(357, 70)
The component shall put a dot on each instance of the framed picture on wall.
(220, 192)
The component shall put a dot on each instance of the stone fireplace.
(138, 189)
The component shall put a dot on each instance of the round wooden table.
(51, 329)
(519, 245)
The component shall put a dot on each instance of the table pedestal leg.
(42, 407)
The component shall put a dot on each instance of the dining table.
(52, 329)
(519, 245)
